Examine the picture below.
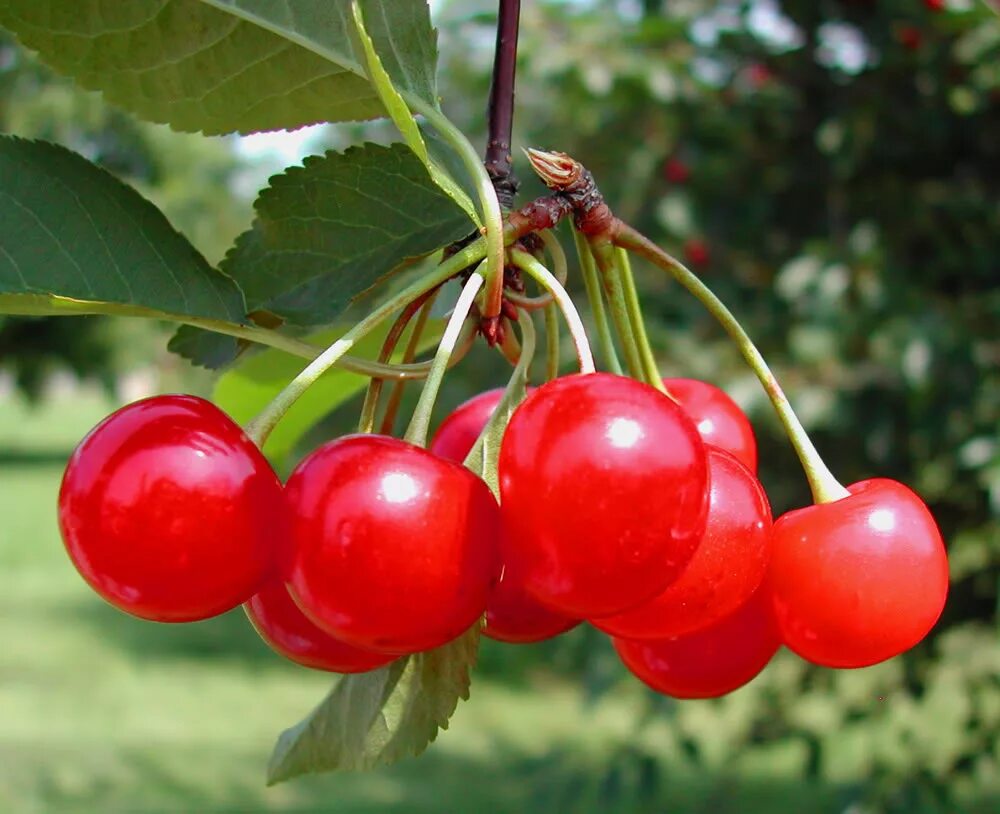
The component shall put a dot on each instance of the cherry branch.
(500, 112)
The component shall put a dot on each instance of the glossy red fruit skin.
(459, 431)
(170, 511)
(727, 568)
(604, 493)
(288, 632)
(516, 617)
(859, 580)
(711, 662)
(719, 420)
(394, 549)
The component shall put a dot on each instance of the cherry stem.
(416, 433)
(482, 457)
(604, 254)
(396, 394)
(588, 270)
(551, 342)
(546, 280)
(489, 203)
(634, 309)
(508, 346)
(260, 427)
(366, 422)
(500, 111)
(825, 487)
(560, 268)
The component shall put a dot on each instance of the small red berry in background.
(719, 420)
(711, 662)
(394, 549)
(676, 171)
(728, 565)
(697, 253)
(758, 75)
(859, 580)
(936, 5)
(603, 492)
(910, 37)
(170, 511)
(287, 631)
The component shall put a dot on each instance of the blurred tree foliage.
(188, 177)
(833, 171)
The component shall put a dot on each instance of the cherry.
(603, 485)
(719, 419)
(513, 615)
(859, 580)
(676, 171)
(710, 662)
(696, 252)
(936, 5)
(287, 631)
(170, 511)
(394, 549)
(459, 431)
(910, 37)
(726, 569)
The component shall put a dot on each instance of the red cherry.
(515, 616)
(697, 252)
(395, 549)
(936, 5)
(169, 511)
(710, 662)
(288, 632)
(676, 171)
(758, 75)
(726, 569)
(459, 431)
(603, 484)
(719, 420)
(859, 580)
(910, 37)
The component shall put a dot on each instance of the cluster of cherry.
(637, 511)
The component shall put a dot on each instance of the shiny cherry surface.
(710, 662)
(170, 512)
(719, 419)
(394, 549)
(727, 567)
(516, 617)
(604, 493)
(459, 431)
(859, 580)
(288, 632)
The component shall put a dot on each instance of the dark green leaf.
(377, 718)
(327, 232)
(74, 239)
(230, 65)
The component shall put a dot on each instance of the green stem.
(825, 487)
(260, 428)
(416, 433)
(560, 268)
(551, 342)
(638, 325)
(588, 270)
(546, 280)
(488, 202)
(604, 254)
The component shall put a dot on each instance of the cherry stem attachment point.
(416, 433)
(825, 487)
(547, 280)
(261, 426)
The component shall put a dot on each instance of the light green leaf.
(74, 239)
(239, 65)
(246, 389)
(401, 116)
(377, 718)
(329, 231)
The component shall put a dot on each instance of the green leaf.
(74, 239)
(246, 389)
(230, 65)
(377, 718)
(329, 231)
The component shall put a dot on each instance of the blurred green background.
(832, 169)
